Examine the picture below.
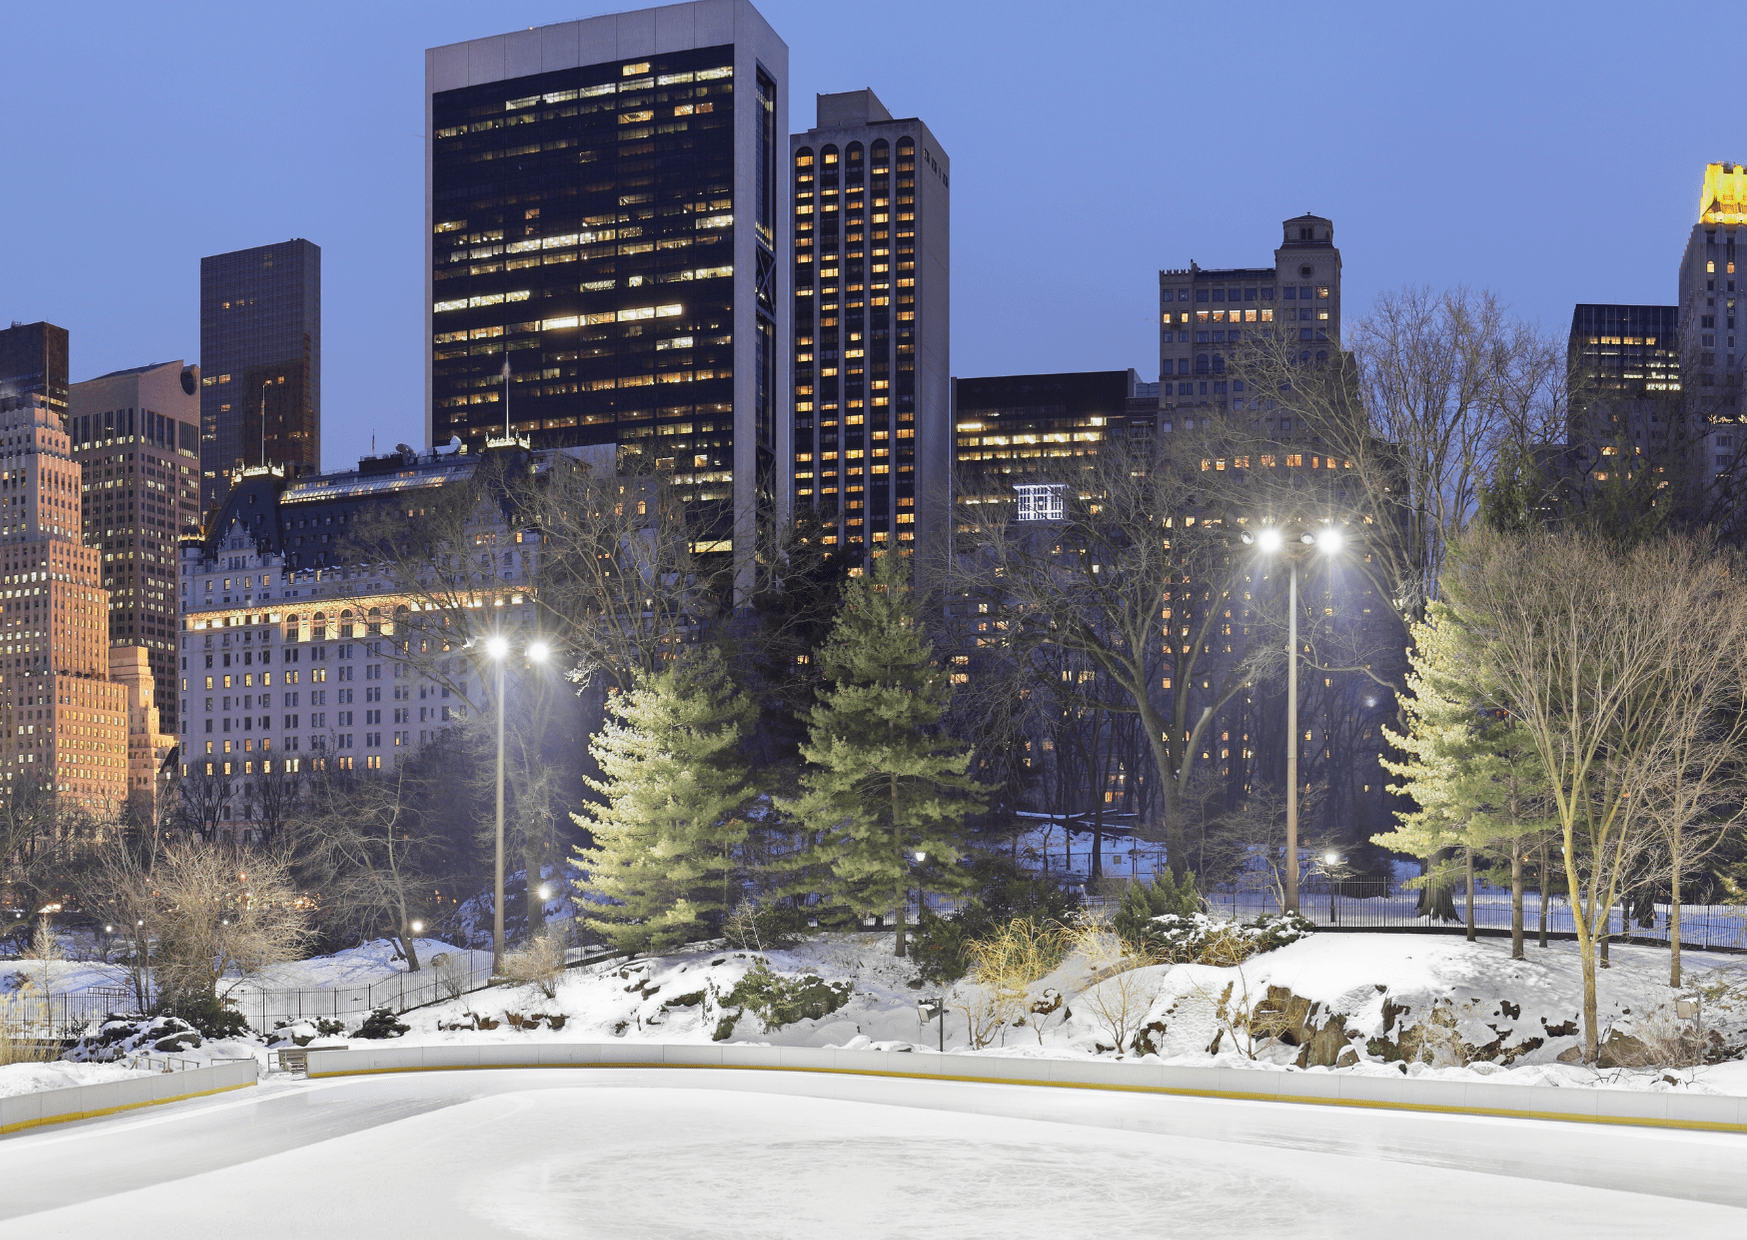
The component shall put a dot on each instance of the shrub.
(782, 1000)
(381, 1023)
(1144, 903)
(1175, 938)
(758, 927)
(213, 1018)
(940, 943)
(538, 962)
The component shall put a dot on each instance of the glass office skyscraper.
(260, 362)
(604, 214)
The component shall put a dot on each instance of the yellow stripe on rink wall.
(1702, 1112)
(76, 1102)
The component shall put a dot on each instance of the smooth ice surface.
(722, 1154)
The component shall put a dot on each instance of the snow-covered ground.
(1505, 1020)
(621, 1153)
(1492, 1017)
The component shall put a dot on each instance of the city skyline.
(1424, 208)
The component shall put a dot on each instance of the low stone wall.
(1607, 1106)
(59, 1106)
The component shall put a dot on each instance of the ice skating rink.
(729, 1154)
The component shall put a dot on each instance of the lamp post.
(497, 646)
(1269, 540)
(1330, 860)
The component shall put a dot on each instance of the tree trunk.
(1674, 922)
(1607, 925)
(408, 949)
(902, 899)
(1585, 946)
(1546, 894)
(1436, 900)
(1516, 902)
(1470, 865)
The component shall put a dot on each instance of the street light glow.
(418, 927)
(1269, 540)
(539, 651)
(497, 647)
(1331, 857)
(1330, 540)
(921, 857)
(545, 891)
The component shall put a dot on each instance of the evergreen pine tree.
(665, 840)
(1476, 781)
(884, 782)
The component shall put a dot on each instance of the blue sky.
(1552, 152)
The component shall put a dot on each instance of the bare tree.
(222, 915)
(364, 843)
(204, 798)
(1418, 400)
(1692, 782)
(1581, 642)
(1135, 581)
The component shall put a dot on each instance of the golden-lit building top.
(1724, 197)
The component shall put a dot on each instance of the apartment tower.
(872, 248)
(1205, 314)
(63, 723)
(136, 438)
(603, 213)
(260, 362)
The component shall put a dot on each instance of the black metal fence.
(446, 975)
(1373, 905)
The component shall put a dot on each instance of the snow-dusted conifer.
(1473, 774)
(884, 782)
(665, 840)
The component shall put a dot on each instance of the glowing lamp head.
(545, 890)
(539, 652)
(1269, 539)
(497, 647)
(1331, 857)
(418, 927)
(921, 857)
(1330, 540)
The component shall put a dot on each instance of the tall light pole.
(1269, 540)
(498, 647)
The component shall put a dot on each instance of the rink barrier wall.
(1708, 1112)
(62, 1106)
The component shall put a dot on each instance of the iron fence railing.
(445, 975)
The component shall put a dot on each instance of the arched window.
(882, 153)
(1218, 364)
(346, 627)
(1201, 363)
(376, 622)
(319, 627)
(400, 619)
(804, 160)
(293, 628)
(1304, 357)
(1322, 355)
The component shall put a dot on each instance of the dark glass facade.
(260, 362)
(1011, 428)
(33, 361)
(1633, 349)
(582, 262)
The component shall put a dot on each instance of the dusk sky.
(1552, 153)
